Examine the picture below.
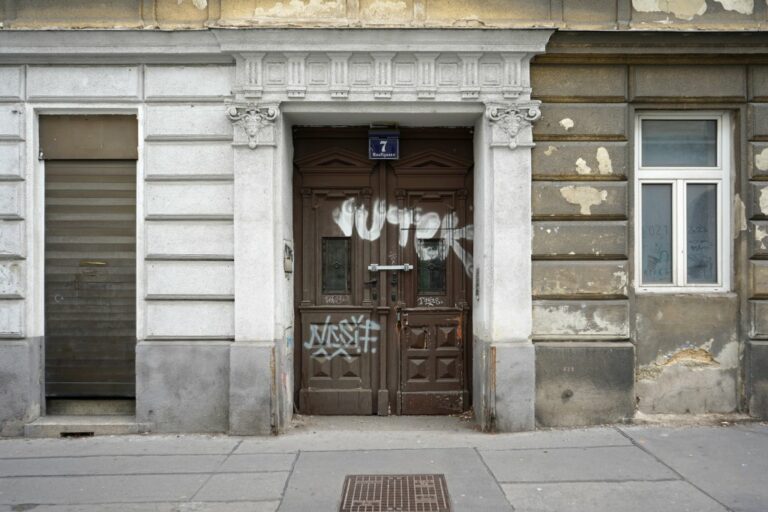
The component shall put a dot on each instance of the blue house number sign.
(383, 145)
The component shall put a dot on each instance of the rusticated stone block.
(580, 383)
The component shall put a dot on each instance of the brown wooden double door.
(390, 341)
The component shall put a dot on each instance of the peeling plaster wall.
(690, 348)
(687, 353)
(199, 14)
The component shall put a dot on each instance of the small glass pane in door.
(431, 266)
(336, 265)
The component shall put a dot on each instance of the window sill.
(678, 290)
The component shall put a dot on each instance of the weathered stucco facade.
(563, 332)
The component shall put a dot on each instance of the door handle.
(375, 267)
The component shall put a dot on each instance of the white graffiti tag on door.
(352, 217)
(356, 333)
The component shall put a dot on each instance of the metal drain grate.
(395, 493)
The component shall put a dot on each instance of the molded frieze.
(405, 76)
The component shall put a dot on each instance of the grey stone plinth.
(503, 387)
(515, 378)
(250, 388)
(20, 384)
(584, 383)
(183, 386)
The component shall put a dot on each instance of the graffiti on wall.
(352, 217)
(356, 334)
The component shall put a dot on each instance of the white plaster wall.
(284, 281)
(483, 272)
(11, 120)
(12, 239)
(189, 159)
(12, 204)
(12, 279)
(11, 318)
(255, 236)
(13, 286)
(11, 158)
(164, 82)
(203, 121)
(188, 198)
(88, 81)
(190, 319)
(184, 239)
(12, 200)
(188, 203)
(199, 279)
(11, 83)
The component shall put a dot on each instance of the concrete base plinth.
(504, 381)
(250, 388)
(515, 386)
(20, 384)
(183, 386)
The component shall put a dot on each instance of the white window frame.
(679, 177)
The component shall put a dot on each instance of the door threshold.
(84, 426)
(452, 423)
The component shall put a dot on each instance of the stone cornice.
(204, 45)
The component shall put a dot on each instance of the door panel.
(90, 278)
(389, 341)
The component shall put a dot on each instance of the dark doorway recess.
(90, 255)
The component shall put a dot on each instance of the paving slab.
(731, 464)
(387, 433)
(111, 465)
(258, 462)
(243, 487)
(318, 477)
(677, 496)
(119, 445)
(221, 506)
(617, 463)
(66, 490)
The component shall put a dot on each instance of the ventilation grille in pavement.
(395, 493)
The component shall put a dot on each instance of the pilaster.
(505, 355)
(251, 390)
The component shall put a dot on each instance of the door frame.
(34, 169)
(472, 115)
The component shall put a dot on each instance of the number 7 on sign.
(383, 146)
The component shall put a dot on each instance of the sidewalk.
(626, 468)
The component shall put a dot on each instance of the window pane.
(336, 263)
(679, 142)
(701, 213)
(657, 233)
(431, 266)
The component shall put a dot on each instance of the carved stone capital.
(256, 123)
(509, 120)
